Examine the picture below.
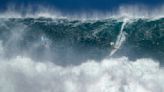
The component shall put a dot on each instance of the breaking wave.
(67, 54)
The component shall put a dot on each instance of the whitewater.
(47, 52)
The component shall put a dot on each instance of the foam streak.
(120, 39)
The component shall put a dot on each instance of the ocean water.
(44, 54)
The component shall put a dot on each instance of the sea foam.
(22, 74)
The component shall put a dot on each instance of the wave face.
(55, 39)
(62, 55)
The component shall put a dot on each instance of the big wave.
(43, 53)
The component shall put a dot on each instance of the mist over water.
(50, 52)
(36, 11)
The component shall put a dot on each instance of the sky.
(76, 5)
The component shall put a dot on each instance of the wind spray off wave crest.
(131, 11)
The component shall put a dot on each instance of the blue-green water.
(75, 41)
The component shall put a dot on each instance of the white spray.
(120, 39)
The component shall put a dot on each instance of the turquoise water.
(75, 41)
